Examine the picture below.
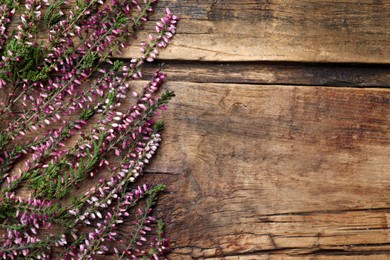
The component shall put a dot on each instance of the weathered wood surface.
(275, 170)
(267, 153)
(280, 30)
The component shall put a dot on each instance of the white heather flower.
(72, 212)
(98, 214)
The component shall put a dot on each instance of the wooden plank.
(261, 169)
(353, 31)
(316, 257)
(279, 30)
(254, 170)
(286, 170)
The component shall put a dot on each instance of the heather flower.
(64, 85)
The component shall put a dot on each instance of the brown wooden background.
(277, 145)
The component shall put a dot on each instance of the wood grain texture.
(279, 30)
(319, 257)
(275, 172)
(272, 149)
(283, 170)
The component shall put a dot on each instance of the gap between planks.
(277, 73)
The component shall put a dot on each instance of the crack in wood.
(287, 252)
(212, 6)
(339, 211)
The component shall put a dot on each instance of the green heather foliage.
(70, 151)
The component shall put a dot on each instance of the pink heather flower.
(58, 98)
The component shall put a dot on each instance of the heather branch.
(42, 183)
(52, 91)
(149, 54)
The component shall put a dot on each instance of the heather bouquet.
(76, 131)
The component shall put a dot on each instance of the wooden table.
(277, 145)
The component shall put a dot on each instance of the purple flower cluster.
(61, 96)
(5, 18)
(70, 87)
(105, 219)
(21, 236)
